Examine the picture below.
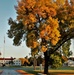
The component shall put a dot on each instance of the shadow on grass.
(32, 72)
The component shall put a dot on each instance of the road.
(9, 72)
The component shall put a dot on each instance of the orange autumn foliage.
(64, 58)
(38, 19)
(51, 32)
(43, 48)
(23, 60)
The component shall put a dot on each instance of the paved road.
(9, 72)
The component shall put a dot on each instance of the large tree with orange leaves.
(44, 24)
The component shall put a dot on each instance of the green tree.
(66, 48)
(45, 25)
(56, 59)
(61, 55)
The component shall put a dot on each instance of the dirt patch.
(65, 74)
(61, 74)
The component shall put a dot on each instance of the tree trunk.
(46, 56)
(35, 63)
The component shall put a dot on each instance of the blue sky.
(8, 50)
(7, 10)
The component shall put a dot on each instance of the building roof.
(7, 58)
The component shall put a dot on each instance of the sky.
(7, 49)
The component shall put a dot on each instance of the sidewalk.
(9, 72)
(1, 71)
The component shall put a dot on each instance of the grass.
(64, 68)
(61, 70)
(30, 69)
(32, 72)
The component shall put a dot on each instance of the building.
(17, 62)
(10, 62)
(5, 60)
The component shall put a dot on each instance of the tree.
(45, 25)
(24, 61)
(66, 48)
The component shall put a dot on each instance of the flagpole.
(4, 51)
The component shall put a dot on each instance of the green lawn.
(64, 68)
